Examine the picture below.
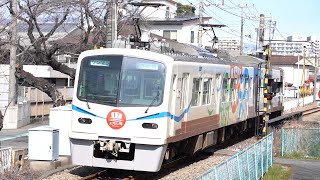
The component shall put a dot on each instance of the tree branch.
(41, 84)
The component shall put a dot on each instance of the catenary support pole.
(12, 98)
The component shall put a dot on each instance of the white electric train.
(135, 109)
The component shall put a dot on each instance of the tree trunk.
(1, 120)
(62, 68)
(41, 84)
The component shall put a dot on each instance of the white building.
(295, 45)
(163, 21)
(166, 11)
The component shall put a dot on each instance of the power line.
(279, 33)
(229, 11)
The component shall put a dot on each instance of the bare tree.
(41, 48)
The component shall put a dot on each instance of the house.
(165, 22)
(293, 68)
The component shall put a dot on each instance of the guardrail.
(250, 163)
(5, 158)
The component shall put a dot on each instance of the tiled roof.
(283, 60)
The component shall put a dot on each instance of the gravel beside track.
(183, 171)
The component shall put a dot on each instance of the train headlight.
(150, 125)
(84, 121)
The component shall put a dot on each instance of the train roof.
(238, 60)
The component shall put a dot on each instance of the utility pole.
(13, 56)
(303, 74)
(200, 21)
(261, 35)
(270, 27)
(241, 37)
(315, 71)
(111, 26)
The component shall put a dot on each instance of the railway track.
(310, 111)
(179, 162)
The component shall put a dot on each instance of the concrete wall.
(289, 105)
(4, 85)
(16, 116)
(40, 102)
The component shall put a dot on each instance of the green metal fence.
(250, 163)
(298, 141)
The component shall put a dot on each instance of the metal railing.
(300, 141)
(5, 158)
(250, 163)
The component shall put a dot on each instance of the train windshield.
(121, 81)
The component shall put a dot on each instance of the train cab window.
(196, 92)
(121, 81)
(206, 91)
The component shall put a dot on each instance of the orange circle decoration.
(116, 119)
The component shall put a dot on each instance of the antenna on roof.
(211, 26)
(141, 39)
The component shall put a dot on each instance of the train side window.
(232, 89)
(206, 91)
(184, 90)
(196, 92)
(225, 93)
(251, 87)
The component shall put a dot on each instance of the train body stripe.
(153, 116)
(75, 108)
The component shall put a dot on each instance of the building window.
(192, 37)
(170, 34)
(196, 92)
(167, 12)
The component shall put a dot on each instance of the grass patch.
(300, 156)
(278, 172)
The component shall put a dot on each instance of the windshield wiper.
(86, 94)
(154, 100)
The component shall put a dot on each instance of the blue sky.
(293, 17)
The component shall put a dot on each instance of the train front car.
(120, 109)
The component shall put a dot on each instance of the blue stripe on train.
(153, 116)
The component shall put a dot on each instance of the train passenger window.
(206, 91)
(225, 92)
(196, 92)
(234, 90)
(250, 87)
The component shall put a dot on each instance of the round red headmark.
(116, 119)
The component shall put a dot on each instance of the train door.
(184, 104)
(174, 96)
(179, 102)
(217, 89)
